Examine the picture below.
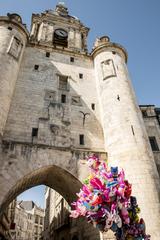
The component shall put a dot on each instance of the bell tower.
(58, 29)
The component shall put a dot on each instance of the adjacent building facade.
(7, 221)
(5, 227)
(57, 223)
(151, 117)
(27, 222)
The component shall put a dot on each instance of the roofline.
(100, 48)
(149, 105)
(20, 25)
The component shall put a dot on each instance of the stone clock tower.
(59, 29)
(59, 103)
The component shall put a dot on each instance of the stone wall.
(12, 44)
(58, 123)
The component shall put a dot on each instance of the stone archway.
(52, 176)
(26, 165)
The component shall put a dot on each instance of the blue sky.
(36, 194)
(133, 24)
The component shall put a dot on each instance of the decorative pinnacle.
(61, 9)
(61, 3)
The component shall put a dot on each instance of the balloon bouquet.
(105, 200)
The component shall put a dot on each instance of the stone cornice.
(17, 24)
(110, 45)
(7, 143)
(51, 18)
(59, 49)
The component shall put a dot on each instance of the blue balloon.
(114, 227)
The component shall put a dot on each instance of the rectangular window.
(36, 221)
(71, 59)
(63, 82)
(41, 221)
(80, 75)
(81, 139)
(48, 54)
(154, 144)
(34, 132)
(63, 98)
(93, 106)
(36, 67)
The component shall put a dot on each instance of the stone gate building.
(59, 103)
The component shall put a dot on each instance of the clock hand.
(62, 33)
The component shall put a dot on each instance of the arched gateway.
(26, 166)
(62, 170)
(53, 174)
(58, 103)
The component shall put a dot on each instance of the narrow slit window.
(93, 106)
(132, 130)
(34, 132)
(80, 75)
(71, 59)
(81, 139)
(118, 98)
(36, 67)
(63, 98)
(48, 54)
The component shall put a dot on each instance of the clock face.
(61, 33)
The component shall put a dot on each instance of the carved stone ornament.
(76, 100)
(50, 95)
(108, 69)
(54, 129)
(61, 9)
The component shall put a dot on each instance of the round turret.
(13, 39)
(103, 43)
(125, 136)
